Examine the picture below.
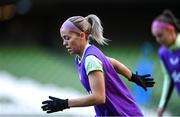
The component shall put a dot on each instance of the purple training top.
(171, 60)
(119, 101)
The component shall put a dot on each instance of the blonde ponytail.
(96, 32)
(91, 25)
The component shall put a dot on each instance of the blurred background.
(34, 64)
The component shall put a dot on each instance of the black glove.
(54, 105)
(142, 80)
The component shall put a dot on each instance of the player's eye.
(160, 35)
(66, 37)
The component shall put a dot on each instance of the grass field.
(57, 67)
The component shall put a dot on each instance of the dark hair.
(168, 17)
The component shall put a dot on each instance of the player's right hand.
(54, 104)
(160, 112)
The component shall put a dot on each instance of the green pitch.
(57, 67)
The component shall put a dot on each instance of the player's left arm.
(120, 68)
(143, 81)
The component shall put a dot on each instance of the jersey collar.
(80, 58)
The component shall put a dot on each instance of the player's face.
(164, 36)
(71, 41)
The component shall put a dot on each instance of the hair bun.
(168, 13)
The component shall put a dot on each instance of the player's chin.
(71, 52)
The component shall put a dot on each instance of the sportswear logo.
(90, 92)
(79, 76)
(174, 61)
(176, 76)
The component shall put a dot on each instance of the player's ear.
(82, 35)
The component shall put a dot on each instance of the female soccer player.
(166, 30)
(97, 72)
